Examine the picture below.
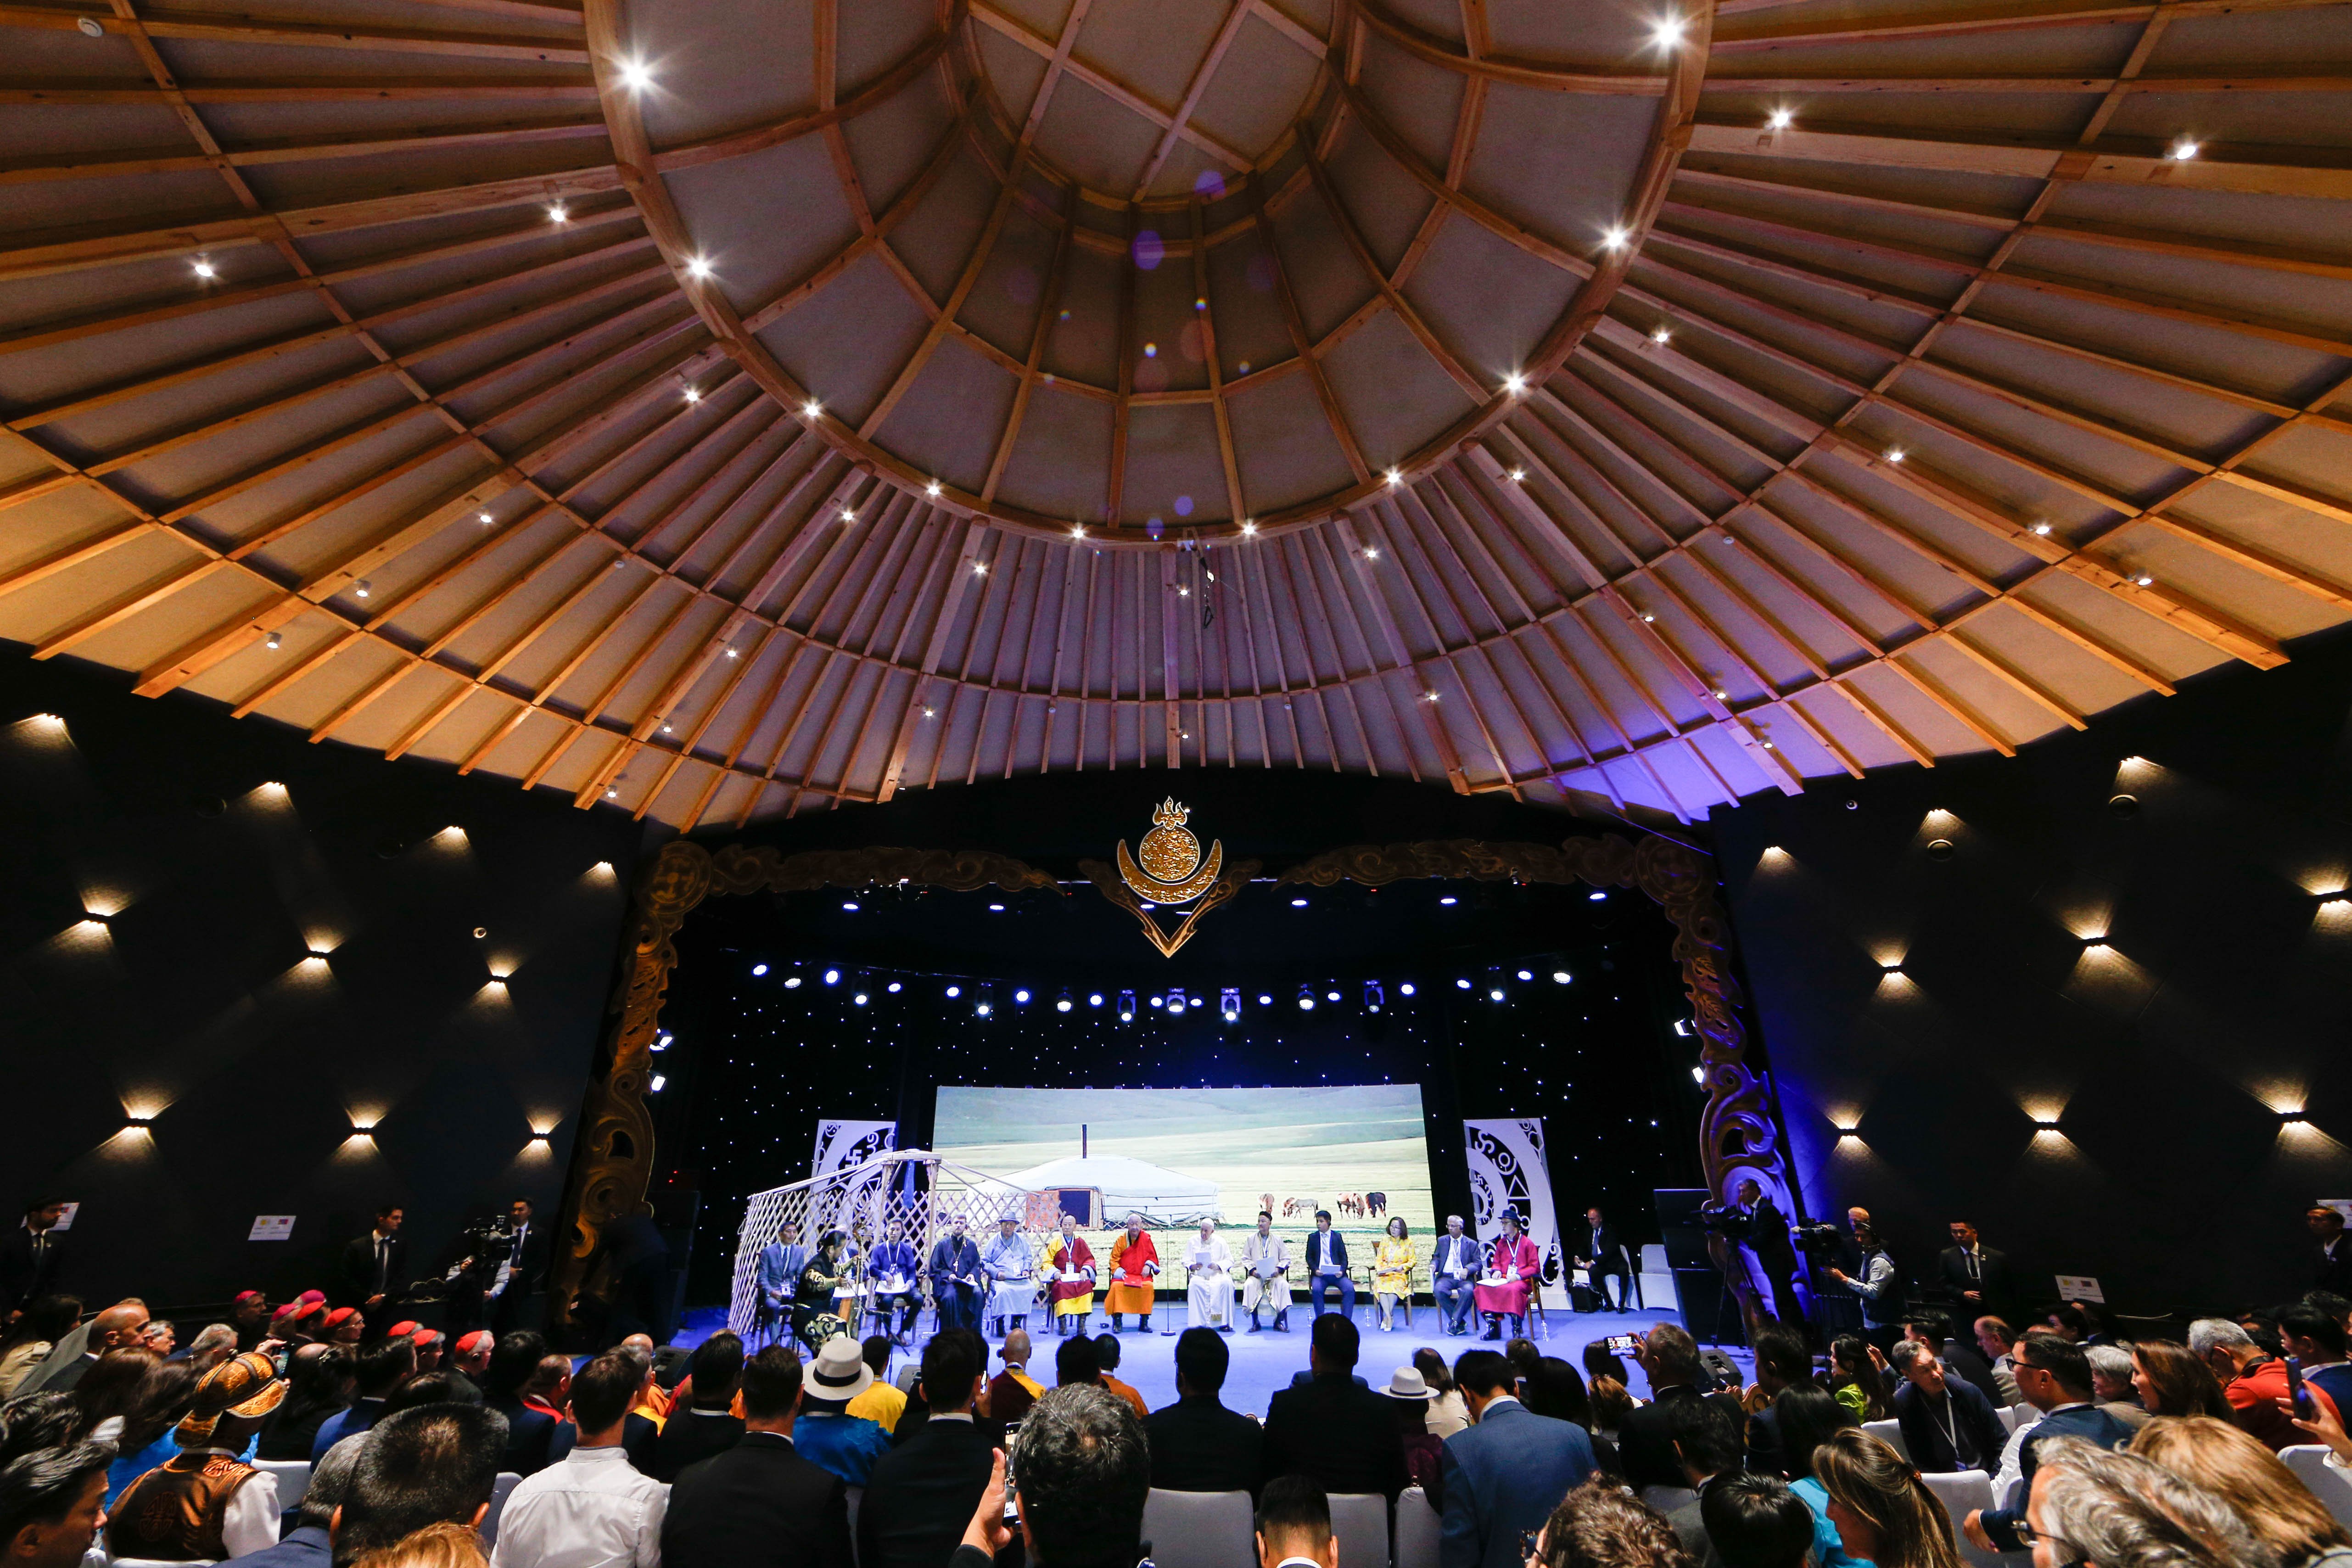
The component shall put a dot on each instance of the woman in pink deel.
(1512, 1268)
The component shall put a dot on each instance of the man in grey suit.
(781, 1262)
(1505, 1472)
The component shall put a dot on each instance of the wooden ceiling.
(724, 407)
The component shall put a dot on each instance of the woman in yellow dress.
(1392, 1260)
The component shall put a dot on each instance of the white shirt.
(593, 1511)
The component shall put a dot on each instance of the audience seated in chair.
(706, 1426)
(1197, 1444)
(1332, 1428)
(1083, 1479)
(1752, 1522)
(758, 1503)
(592, 1509)
(1503, 1475)
(434, 1465)
(306, 1543)
(1294, 1522)
(922, 1492)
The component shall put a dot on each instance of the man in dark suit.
(2054, 1376)
(1706, 1440)
(1602, 1250)
(375, 1272)
(759, 1504)
(705, 1427)
(1505, 1472)
(1335, 1430)
(1455, 1262)
(31, 1255)
(1198, 1445)
(1646, 1445)
(1767, 1235)
(522, 1291)
(922, 1492)
(1976, 1274)
(1326, 1265)
(1946, 1425)
(2331, 1254)
(1932, 1331)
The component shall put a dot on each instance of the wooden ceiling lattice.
(719, 408)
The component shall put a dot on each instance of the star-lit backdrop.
(1499, 1000)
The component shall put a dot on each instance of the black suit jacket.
(640, 1438)
(1645, 1446)
(1608, 1249)
(534, 1438)
(1338, 1434)
(357, 1281)
(1930, 1441)
(1994, 1285)
(2330, 1274)
(20, 1281)
(1768, 1237)
(921, 1494)
(689, 1436)
(758, 1505)
(1199, 1446)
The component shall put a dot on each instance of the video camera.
(1816, 1239)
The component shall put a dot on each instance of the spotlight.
(986, 1005)
(1374, 999)
(1668, 32)
(1515, 384)
(1126, 1006)
(2182, 151)
(1596, 896)
(852, 908)
(1093, 998)
(1698, 1075)
(634, 76)
(1462, 986)
(1264, 1001)
(1782, 119)
(1331, 995)
(1157, 1001)
(698, 267)
(655, 1085)
(1526, 975)
(360, 589)
(932, 490)
(792, 983)
(758, 970)
(1615, 238)
(204, 269)
(1447, 901)
(1020, 997)
(894, 988)
(859, 999)
(1229, 1003)
(833, 977)
(1062, 1003)
(1406, 989)
(1560, 977)
(1306, 999)
(954, 992)
(1495, 994)
(812, 408)
(557, 212)
(1298, 903)
(273, 642)
(1176, 1002)
(996, 909)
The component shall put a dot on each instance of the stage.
(1265, 1361)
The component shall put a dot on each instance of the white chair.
(1891, 1434)
(499, 1491)
(293, 1479)
(2016, 1415)
(1962, 1492)
(1199, 1530)
(1417, 1529)
(1360, 1520)
(2331, 1486)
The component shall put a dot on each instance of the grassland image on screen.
(1178, 1154)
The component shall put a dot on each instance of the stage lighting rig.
(1062, 1003)
(1374, 999)
(1176, 1002)
(1230, 1003)
(1126, 1006)
(1307, 998)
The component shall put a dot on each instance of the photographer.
(1877, 1281)
(1760, 1226)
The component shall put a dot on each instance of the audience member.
(1503, 1475)
(248, 1319)
(1976, 1275)
(1855, 1380)
(2054, 1376)
(32, 1254)
(758, 1503)
(1425, 1456)
(2331, 1256)
(434, 1546)
(1600, 1362)
(1884, 1512)
(882, 1402)
(2253, 1382)
(206, 1503)
(471, 1356)
(1013, 1391)
(214, 1344)
(707, 1426)
(826, 1435)
(444, 1387)
(1946, 1425)
(1106, 1357)
(1670, 1356)
(1754, 1521)
(160, 1335)
(1781, 1362)
(319, 1384)
(116, 1327)
(1810, 1416)
(1600, 1525)
(1996, 1339)
(1331, 1428)
(1447, 1413)
(377, 1370)
(593, 1510)
(1961, 1357)
(1082, 1480)
(1294, 1526)
(1196, 1444)
(920, 1492)
(1610, 1405)
(45, 1320)
(2111, 1384)
(1077, 1360)
(2110, 1509)
(2315, 1336)
(1709, 1446)
(434, 1465)
(2171, 1380)
(132, 1399)
(308, 1543)
(2230, 1463)
(2069, 1322)
(52, 1503)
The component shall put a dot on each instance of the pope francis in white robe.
(1209, 1295)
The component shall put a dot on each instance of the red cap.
(243, 1297)
(305, 1307)
(402, 1330)
(312, 1298)
(480, 1339)
(285, 1314)
(340, 1316)
(425, 1338)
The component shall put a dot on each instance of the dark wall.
(2220, 999)
(195, 1001)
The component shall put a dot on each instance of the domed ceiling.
(725, 409)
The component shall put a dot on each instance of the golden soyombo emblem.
(1172, 871)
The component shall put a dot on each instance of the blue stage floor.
(1265, 1361)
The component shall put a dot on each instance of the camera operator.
(1765, 1234)
(482, 1248)
(1877, 1281)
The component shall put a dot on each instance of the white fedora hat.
(1405, 1382)
(839, 1372)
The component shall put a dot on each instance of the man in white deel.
(1209, 1295)
(592, 1509)
(1013, 1281)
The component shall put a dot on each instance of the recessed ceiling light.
(693, 394)
(698, 267)
(1515, 383)
(558, 212)
(486, 519)
(1667, 32)
(812, 408)
(1782, 118)
(634, 76)
(1894, 454)
(1661, 336)
(2182, 151)
(1615, 238)
(932, 490)
(204, 267)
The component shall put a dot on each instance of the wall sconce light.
(1844, 1134)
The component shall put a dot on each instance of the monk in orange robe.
(1134, 1268)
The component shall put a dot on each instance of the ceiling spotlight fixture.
(734, 653)
(1429, 696)
(1515, 384)
(1077, 530)
(847, 515)
(1370, 553)
(833, 977)
(2145, 581)
(2182, 151)
(1448, 901)
(1526, 975)
(558, 212)
(1062, 1003)
(1782, 119)
(1518, 476)
(1229, 1004)
(1668, 32)
(1649, 617)
(1560, 977)
(204, 269)
(1894, 454)
(485, 519)
(1126, 1006)
(1495, 994)
(360, 589)
(634, 76)
(2041, 528)
(792, 983)
(758, 970)
(91, 28)
(1597, 895)
(859, 999)
(273, 642)
(1395, 477)
(932, 490)
(698, 267)
(612, 792)
(954, 992)
(930, 712)
(693, 392)
(894, 987)
(983, 1009)
(1248, 528)
(1306, 999)
(980, 568)
(1661, 336)
(1616, 237)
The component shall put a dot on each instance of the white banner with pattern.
(1509, 1170)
